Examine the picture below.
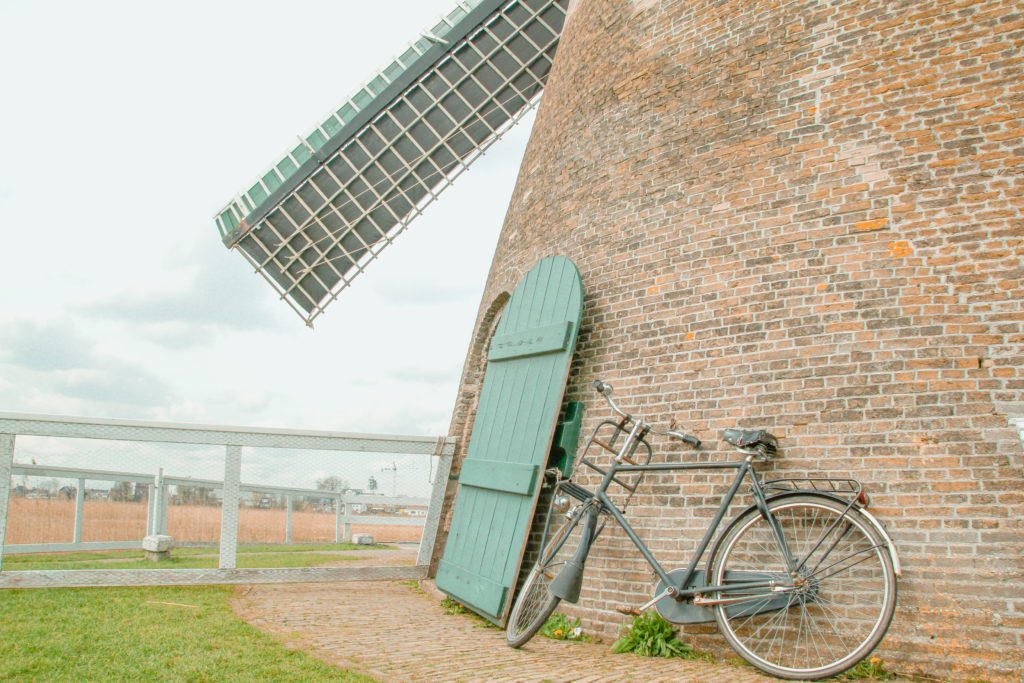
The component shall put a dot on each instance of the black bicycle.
(802, 583)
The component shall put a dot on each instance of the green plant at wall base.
(651, 636)
(454, 607)
(873, 669)
(559, 627)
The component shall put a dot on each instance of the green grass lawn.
(249, 556)
(142, 633)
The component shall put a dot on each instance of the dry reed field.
(53, 521)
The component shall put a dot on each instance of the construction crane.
(394, 477)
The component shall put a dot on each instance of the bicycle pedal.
(628, 610)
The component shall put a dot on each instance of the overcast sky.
(125, 127)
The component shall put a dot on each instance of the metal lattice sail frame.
(314, 221)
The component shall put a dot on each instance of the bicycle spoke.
(838, 634)
(757, 612)
(843, 559)
(825, 554)
(779, 622)
(774, 620)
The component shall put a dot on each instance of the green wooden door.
(499, 484)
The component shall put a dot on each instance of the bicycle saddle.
(751, 438)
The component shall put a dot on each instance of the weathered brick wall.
(805, 216)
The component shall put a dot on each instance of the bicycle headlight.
(560, 503)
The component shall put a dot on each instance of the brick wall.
(804, 216)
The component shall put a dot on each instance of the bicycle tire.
(534, 604)
(846, 601)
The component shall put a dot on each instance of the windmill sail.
(314, 221)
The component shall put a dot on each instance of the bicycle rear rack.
(849, 489)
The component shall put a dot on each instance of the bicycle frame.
(800, 582)
(677, 587)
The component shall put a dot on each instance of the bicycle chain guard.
(685, 612)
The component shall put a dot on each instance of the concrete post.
(163, 510)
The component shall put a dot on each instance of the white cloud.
(68, 368)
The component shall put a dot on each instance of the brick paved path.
(395, 632)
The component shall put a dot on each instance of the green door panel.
(475, 590)
(528, 362)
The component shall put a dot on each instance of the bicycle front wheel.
(825, 616)
(535, 603)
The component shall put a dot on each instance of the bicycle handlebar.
(606, 389)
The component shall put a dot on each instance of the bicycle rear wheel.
(535, 604)
(844, 599)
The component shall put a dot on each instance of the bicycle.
(802, 583)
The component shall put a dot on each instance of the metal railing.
(233, 439)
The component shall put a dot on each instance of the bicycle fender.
(569, 581)
(845, 501)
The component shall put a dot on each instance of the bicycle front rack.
(611, 432)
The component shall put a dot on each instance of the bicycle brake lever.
(692, 440)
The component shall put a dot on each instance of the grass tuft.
(558, 627)
(868, 669)
(452, 606)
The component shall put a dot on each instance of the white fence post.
(444, 466)
(155, 508)
(337, 519)
(229, 507)
(346, 534)
(288, 520)
(79, 510)
(6, 465)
